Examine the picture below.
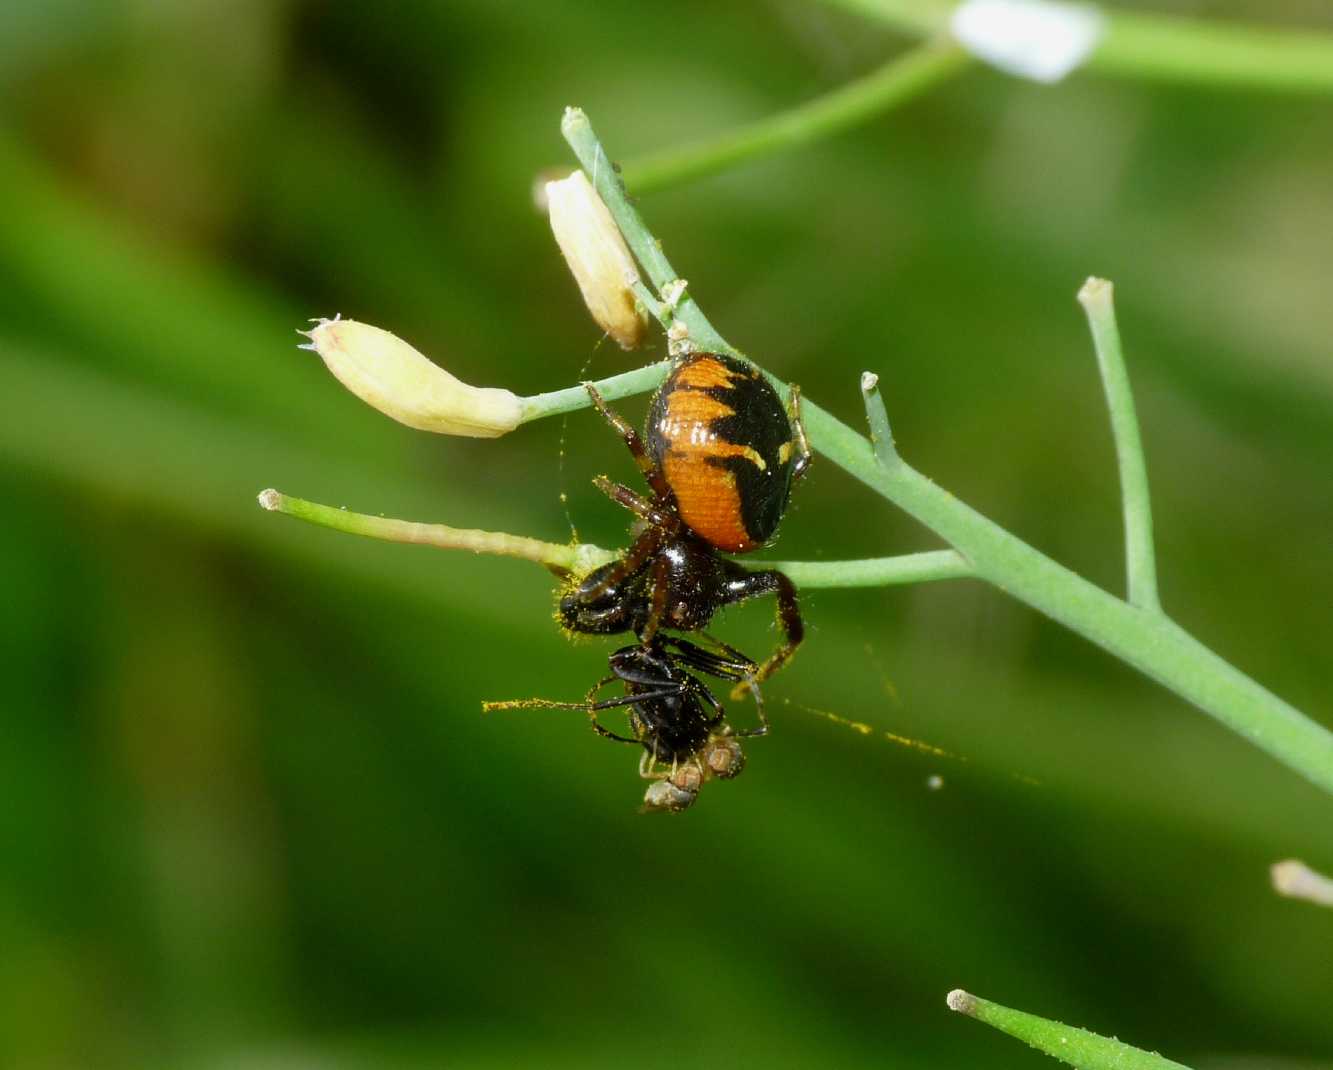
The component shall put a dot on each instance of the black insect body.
(721, 457)
(673, 715)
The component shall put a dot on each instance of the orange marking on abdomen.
(685, 407)
(687, 428)
(705, 372)
(708, 501)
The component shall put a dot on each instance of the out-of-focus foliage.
(252, 815)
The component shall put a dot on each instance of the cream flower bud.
(597, 257)
(387, 373)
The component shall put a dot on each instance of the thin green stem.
(570, 398)
(1225, 55)
(1149, 641)
(581, 558)
(578, 558)
(647, 250)
(876, 571)
(1077, 1047)
(901, 79)
(881, 434)
(1098, 301)
(1164, 48)
(1294, 879)
(922, 17)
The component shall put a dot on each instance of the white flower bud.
(387, 373)
(597, 257)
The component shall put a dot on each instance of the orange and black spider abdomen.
(720, 436)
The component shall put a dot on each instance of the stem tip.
(572, 119)
(1296, 880)
(869, 380)
(962, 1002)
(270, 499)
(1094, 290)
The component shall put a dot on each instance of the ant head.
(674, 793)
(663, 796)
(723, 755)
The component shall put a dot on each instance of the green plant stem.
(624, 385)
(1164, 48)
(646, 249)
(1098, 301)
(877, 418)
(1149, 641)
(576, 558)
(580, 558)
(1215, 54)
(876, 571)
(901, 79)
(1296, 880)
(1069, 1044)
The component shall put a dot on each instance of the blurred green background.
(250, 813)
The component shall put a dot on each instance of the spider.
(720, 459)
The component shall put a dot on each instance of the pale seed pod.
(388, 374)
(597, 257)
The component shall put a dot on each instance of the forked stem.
(1098, 301)
(1147, 640)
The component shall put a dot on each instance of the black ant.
(673, 715)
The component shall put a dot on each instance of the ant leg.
(592, 707)
(701, 689)
(800, 443)
(635, 503)
(606, 733)
(648, 765)
(753, 688)
(749, 682)
(723, 661)
(632, 440)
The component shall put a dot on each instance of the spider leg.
(636, 503)
(800, 443)
(771, 581)
(633, 441)
(641, 550)
(657, 600)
